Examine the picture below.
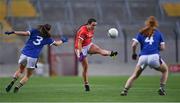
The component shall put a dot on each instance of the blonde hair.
(150, 25)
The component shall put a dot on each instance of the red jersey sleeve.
(82, 34)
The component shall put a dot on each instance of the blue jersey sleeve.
(50, 41)
(137, 38)
(161, 38)
(32, 31)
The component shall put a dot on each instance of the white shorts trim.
(29, 62)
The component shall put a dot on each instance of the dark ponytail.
(44, 30)
(90, 21)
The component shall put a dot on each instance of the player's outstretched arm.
(62, 40)
(21, 33)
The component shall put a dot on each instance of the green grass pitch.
(103, 89)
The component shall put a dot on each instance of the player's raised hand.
(9, 32)
(64, 39)
(134, 56)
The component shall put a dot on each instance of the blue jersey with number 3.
(35, 44)
(150, 45)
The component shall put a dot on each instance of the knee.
(27, 76)
(85, 69)
(84, 72)
(164, 69)
(21, 70)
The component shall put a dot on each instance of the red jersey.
(84, 34)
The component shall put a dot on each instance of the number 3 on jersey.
(38, 40)
(149, 40)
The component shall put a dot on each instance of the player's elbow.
(26, 33)
(133, 46)
(162, 47)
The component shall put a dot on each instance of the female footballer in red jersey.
(84, 46)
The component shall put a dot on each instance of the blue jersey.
(150, 45)
(35, 44)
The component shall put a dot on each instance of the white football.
(113, 32)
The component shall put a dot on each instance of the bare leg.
(85, 74)
(97, 50)
(19, 71)
(85, 70)
(24, 79)
(27, 76)
(15, 77)
(164, 70)
(131, 79)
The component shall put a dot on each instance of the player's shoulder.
(33, 30)
(83, 29)
(139, 34)
(157, 31)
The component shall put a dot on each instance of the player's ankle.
(126, 89)
(19, 85)
(162, 85)
(86, 83)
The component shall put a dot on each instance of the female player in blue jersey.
(30, 53)
(151, 43)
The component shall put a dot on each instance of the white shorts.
(29, 62)
(153, 61)
(85, 49)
